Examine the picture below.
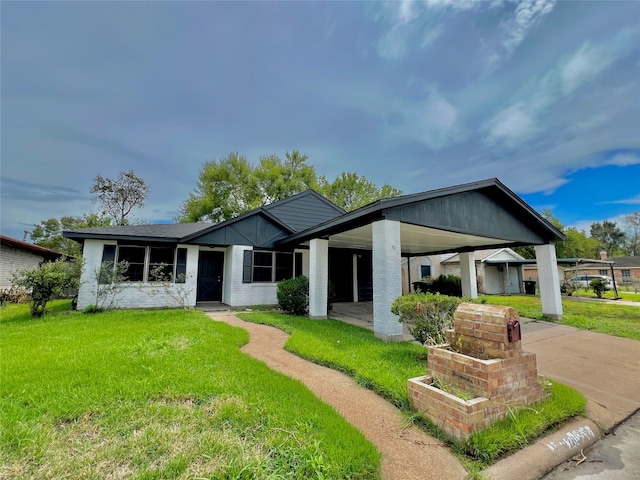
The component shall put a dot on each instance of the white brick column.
(387, 278)
(318, 277)
(468, 275)
(549, 281)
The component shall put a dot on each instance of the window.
(148, 264)
(134, 256)
(284, 266)
(425, 268)
(604, 272)
(626, 275)
(160, 264)
(263, 266)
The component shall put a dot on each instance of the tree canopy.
(609, 236)
(232, 185)
(120, 196)
(48, 233)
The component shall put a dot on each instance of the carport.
(462, 218)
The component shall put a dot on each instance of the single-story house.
(238, 262)
(20, 255)
(498, 270)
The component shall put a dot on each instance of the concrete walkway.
(605, 369)
(407, 453)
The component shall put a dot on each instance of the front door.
(210, 276)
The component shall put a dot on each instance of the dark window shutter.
(247, 266)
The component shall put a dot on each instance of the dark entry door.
(210, 266)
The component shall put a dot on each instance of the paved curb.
(540, 458)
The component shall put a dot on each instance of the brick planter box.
(489, 366)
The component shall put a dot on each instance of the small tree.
(598, 285)
(120, 196)
(43, 283)
(179, 290)
(110, 278)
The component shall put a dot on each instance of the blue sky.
(544, 95)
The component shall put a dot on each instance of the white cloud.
(432, 122)
(626, 201)
(511, 126)
(527, 14)
(623, 160)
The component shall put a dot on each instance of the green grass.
(520, 427)
(386, 367)
(609, 318)
(383, 367)
(158, 394)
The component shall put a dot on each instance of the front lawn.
(385, 368)
(609, 318)
(158, 394)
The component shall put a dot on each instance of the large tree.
(48, 233)
(632, 224)
(575, 245)
(230, 186)
(120, 196)
(609, 236)
(351, 191)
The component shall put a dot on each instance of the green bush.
(450, 285)
(598, 285)
(427, 315)
(293, 296)
(50, 279)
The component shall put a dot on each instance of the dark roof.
(170, 232)
(274, 221)
(22, 245)
(618, 262)
(485, 208)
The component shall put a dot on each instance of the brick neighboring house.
(625, 269)
(20, 255)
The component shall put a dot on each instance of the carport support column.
(549, 281)
(387, 278)
(468, 275)
(318, 277)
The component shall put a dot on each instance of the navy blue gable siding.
(473, 213)
(304, 212)
(254, 230)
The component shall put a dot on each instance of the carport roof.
(472, 216)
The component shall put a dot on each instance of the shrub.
(13, 294)
(450, 285)
(598, 285)
(91, 309)
(427, 315)
(293, 295)
(50, 279)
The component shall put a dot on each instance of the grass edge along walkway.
(159, 394)
(407, 452)
(337, 344)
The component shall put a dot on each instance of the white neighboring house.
(499, 270)
(20, 255)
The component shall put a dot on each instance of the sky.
(542, 94)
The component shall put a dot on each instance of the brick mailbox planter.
(484, 357)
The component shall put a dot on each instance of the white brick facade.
(318, 277)
(136, 294)
(238, 294)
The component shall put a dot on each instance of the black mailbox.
(513, 330)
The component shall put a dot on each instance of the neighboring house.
(626, 270)
(498, 270)
(239, 262)
(20, 255)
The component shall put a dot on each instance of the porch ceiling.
(416, 240)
